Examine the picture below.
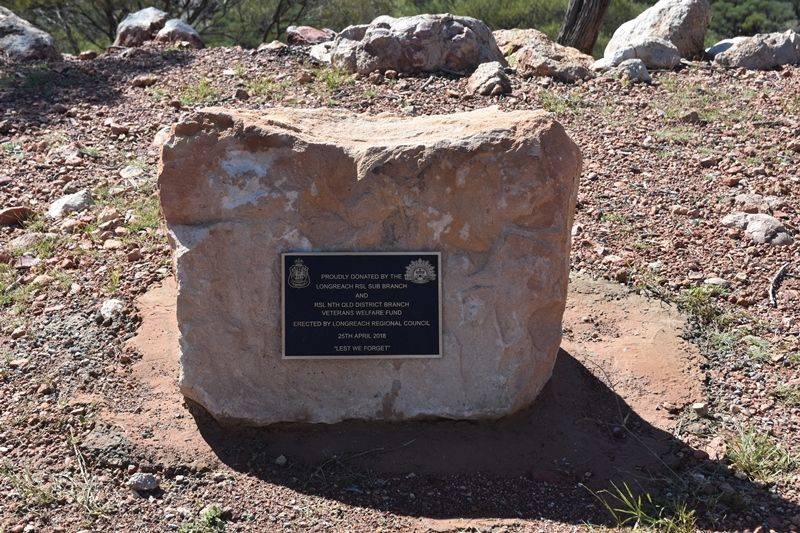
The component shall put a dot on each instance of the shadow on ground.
(530, 465)
(32, 89)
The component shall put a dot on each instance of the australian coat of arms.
(298, 275)
(420, 271)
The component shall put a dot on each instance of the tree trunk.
(582, 24)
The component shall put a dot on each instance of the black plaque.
(361, 305)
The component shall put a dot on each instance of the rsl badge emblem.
(420, 271)
(298, 275)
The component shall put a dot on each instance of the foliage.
(756, 455)
(83, 24)
(643, 512)
(748, 17)
(209, 521)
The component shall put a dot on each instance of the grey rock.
(70, 203)
(489, 79)
(112, 308)
(141, 26)
(21, 41)
(681, 22)
(764, 51)
(176, 30)
(421, 43)
(655, 53)
(633, 70)
(532, 53)
(722, 45)
(759, 227)
(143, 482)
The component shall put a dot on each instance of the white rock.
(633, 70)
(144, 482)
(140, 26)
(112, 308)
(131, 172)
(655, 53)
(759, 227)
(70, 203)
(176, 30)
(764, 51)
(20, 40)
(420, 43)
(489, 79)
(681, 22)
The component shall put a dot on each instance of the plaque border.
(284, 357)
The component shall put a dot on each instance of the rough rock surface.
(654, 52)
(308, 35)
(140, 26)
(493, 191)
(176, 30)
(633, 70)
(534, 54)
(70, 203)
(759, 227)
(489, 79)
(764, 51)
(681, 22)
(20, 40)
(422, 43)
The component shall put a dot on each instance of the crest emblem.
(420, 271)
(298, 275)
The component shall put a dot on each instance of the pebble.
(144, 482)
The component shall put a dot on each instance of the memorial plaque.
(361, 305)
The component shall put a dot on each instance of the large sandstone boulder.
(532, 53)
(764, 51)
(681, 22)
(141, 26)
(422, 43)
(21, 41)
(494, 192)
(176, 31)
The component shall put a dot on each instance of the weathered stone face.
(141, 26)
(494, 192)
(532, 53)
(421, 43)
(21, 41)
(681, 22)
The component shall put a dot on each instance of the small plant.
(333, 78)
(613, 217)
(33, 493)
(265, 87)
(209, 521)
(13, 149)
(91, 151)
(641, 511)
(675, 134)
(788, 394)
(557, 104)
(758, 349)
(700, 303)
(113, 281)
(369, 94)
(201, 92)
(756, 455)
